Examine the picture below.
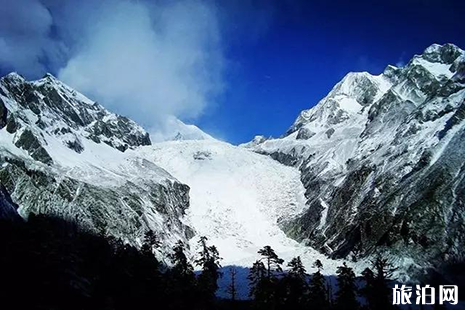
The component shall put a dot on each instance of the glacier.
(375, 167)
(381, 158)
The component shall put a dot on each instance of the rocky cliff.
(63, 154)
(382, 159)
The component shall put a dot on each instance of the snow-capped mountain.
(63, 154)
(376, 165)
(239, 200)
(174, 129)
(382, 161)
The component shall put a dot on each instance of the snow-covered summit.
(63, 154)
(376, 165)
(374, 152)
(48, 105)
(254, 142)
(358, 90)
(174, 130)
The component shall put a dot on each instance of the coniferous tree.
(368, 291)
(297, 269)
(256, 276)
(181, 287)
(384, 271)
(263, 282)
(294, 285)
(209, 260)
(152, 239)
(150, 242)
(376, 291)
(318, 265)
(346, 296)
(262, 288)
(181, 266)
(318, 295)
(272, 261)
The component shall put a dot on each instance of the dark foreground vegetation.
(51, 264)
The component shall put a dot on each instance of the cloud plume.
(25, 42)
(147, 60)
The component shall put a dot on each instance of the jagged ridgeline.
(62, 154)
(382, 160)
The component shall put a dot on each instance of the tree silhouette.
(318, 295)
(181, 266)
(150, 242)
(346, 296)
(181, 279)
(152, 239)
(376, 290)
(297, 269)
(272, 261)
(368, 291)
(318, 265)
(294, 287)
(256, 276)
(209, 260)
(263, 282)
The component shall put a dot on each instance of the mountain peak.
(63, 114)
(445, 54)
(48, 77)
(14, 77)
(371, 154)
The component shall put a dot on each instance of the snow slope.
(238, 199)
(175, 129)
(98, 168)
(382, 160)
(62, 154)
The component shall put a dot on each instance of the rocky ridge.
(63, 154)
(382, 159)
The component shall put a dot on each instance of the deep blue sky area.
(278, 57)
(309, 46)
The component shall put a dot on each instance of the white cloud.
(150, 62)
(400, 63)
(25, 43)
(144, 59)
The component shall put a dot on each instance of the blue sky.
(235, 68)
(307, 48)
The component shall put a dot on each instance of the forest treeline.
(48, 263)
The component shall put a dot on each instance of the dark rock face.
(283, 158)
(329, 132)
(121, 128)
(29, 142)
(446, 53)
(61, 110)
(58, 163)
(11, 125)
(118, 210)
(385, 173)
(202, 155)
(304, 134)
(3, 114)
